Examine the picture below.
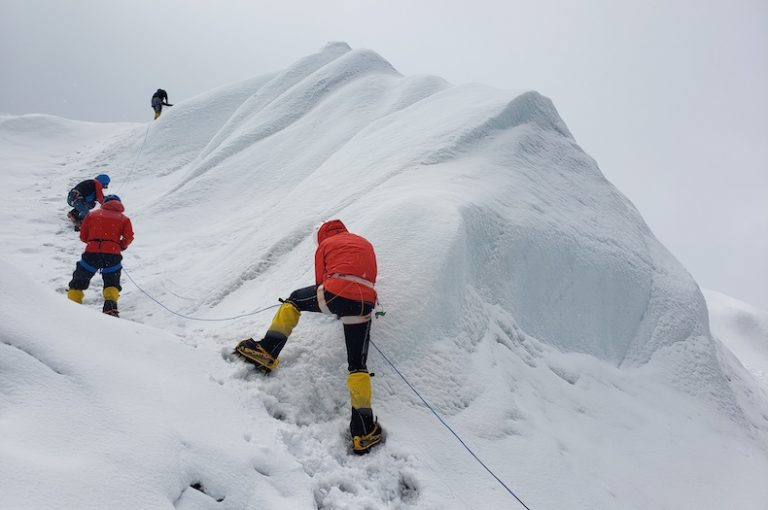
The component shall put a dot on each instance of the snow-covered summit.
(341, 128)
(526, 298)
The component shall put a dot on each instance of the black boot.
(110, 308)
(273, 342)
(74, 217)
(255, 353)
(365, 430)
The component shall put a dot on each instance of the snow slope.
(121, 417)
(743, 329)
(526, 300)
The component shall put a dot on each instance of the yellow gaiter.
(285, 319)
(359, 384)
(76, 295)
(111, 294)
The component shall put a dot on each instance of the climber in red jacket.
(106, 232)
(345, 274)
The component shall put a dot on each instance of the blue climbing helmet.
(103, 179)
(111, 197)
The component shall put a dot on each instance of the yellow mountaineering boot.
(363, 444)
(363, 427)
(111, 295)
(254, 353)
(285, 319)
(365, 430)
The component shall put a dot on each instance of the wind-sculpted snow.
(341, 133)
(744, 329)
(29, 129)
(293, 104)
(274, 88)
(526, 300)
(529, 107)
(161, 140)
(580, 259)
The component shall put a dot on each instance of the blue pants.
(80, 206)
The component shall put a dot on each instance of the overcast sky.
(670, 97)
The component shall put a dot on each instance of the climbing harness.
(111, 269)
(323, 305)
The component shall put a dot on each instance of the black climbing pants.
(356, 336)
(109, 263)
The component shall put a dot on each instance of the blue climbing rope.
(197, 318)
(449, 427)
(415, 391)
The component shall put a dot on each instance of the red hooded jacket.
(107, 230)
(341, 253)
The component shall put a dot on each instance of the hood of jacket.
(113, 205)
(330, 228)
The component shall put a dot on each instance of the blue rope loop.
(85, 265)
(112, 269)
(91, 269)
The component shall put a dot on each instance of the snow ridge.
(526, 300)
(585, 273)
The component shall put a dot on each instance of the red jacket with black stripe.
(107, 230)
(340, 252)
